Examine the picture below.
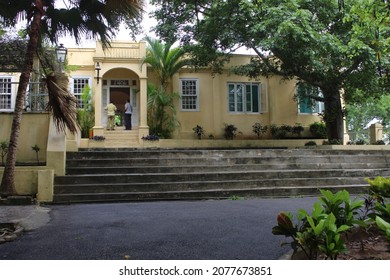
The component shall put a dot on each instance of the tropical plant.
(86, 114)
(383, 225)
(380, 186)
(316, 232)
(81, 18)
(162, 119)
(165, 61)
(341, 206)
(321, 230)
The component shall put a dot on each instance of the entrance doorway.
(119, 96)
(117, 92)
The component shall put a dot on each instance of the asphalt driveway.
(183, 230)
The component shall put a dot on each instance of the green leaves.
(321, 230)
(383, 225)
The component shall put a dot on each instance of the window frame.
(11, 94)
(243, 101)
(196, 95)
(317, 108)
(78, 95)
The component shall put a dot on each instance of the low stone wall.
(38, 181)
(219, 143)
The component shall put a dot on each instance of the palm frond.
(12, 12)
(91, 19)
(62, 104)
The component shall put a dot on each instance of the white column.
(143, 109)
(97, 96)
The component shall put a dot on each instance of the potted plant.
(199, 131)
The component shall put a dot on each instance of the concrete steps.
(121, 138)
(152, 174)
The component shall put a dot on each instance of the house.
(210, 101)
(207, 100)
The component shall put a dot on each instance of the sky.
(123, 34)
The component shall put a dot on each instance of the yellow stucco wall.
(279, 105)
(33, 131)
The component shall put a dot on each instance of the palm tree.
(81, 18)
(166, 62)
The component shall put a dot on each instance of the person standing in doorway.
(111, 109)
(128, 112)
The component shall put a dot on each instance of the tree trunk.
(8, 180)
(334, 115)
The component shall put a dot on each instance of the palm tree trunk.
(8, 180)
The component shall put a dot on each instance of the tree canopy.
(335, 45)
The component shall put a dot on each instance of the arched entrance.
(118, 86)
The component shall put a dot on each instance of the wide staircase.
(127, 174)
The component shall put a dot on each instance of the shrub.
(311, 143)
(230, 131)
(98, 138)
(258, 129)
(332, 142)
(318, 130)
(380, 142)
(199, 131)
(280, 132)
(151, 138)
(321, 230)
(379, 186)
(297, 129)
(361, 142)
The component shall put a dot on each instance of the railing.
(359, 135)
(365, 135)
(37, 97)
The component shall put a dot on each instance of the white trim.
(244, 99)
(12, 94)
(77, 77)
(197, 95)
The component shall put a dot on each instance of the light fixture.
(61, 52)
(97, 68)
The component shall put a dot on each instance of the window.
(6, 93)
(189, 92)
(77, 87)
(307, 105)
(244, 97)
